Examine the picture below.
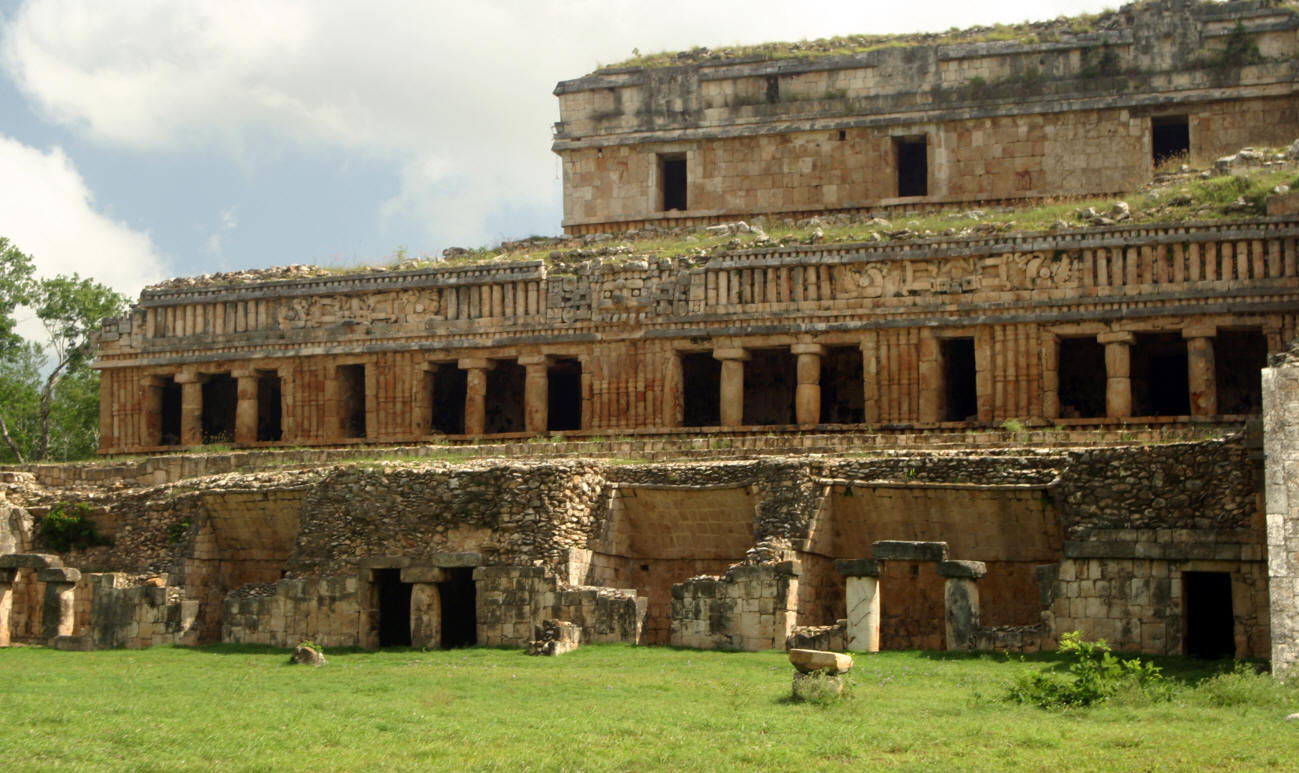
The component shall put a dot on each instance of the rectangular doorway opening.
(505, 390)
(960, 390)
(770, 381)
(701, 389)
(1239, 357)
(351, 400)
(1081, 373)
(672, 180)
(169, 408)
(392, 600)
(220, 397)
(1160, 386)
(270, 410)
(1210, 622)
(843, 400)
(459, 599)
(912, 155)
(564, 395)
(449, 386)
(1170, 140)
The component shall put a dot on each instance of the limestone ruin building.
(973, 440)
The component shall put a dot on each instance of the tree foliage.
(49, 396)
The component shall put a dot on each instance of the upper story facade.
(1074, 107)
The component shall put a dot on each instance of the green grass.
(608, 707)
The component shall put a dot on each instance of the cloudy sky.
(142, 139)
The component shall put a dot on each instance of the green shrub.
(1093, 676)
(1241, 686)
(67, 526)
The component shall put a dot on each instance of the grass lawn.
(605, 707)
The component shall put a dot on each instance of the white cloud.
(47, 212)
(457, 96)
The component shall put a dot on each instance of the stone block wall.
(513, 600)
(1281, 449)
(136, 616)
(324, 610)
(751, 607)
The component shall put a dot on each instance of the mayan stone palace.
(919, 437)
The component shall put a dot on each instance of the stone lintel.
(1200, 331)
(423, 574)
(238, 373)
(533, 359)
(29, 561)
(457, 560)
(792, 568)
(805, 348)
(905, 550)
(383, 562)
(858, 567)
(1117, 337)
(186, 377)
(474, 363)
(58, 574)
(968, 569)
(734, 353)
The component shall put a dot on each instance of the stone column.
(863, 601)
(425, 605)
(807, 398)
(151, 416)
(962, 599)
(1050, 361)
(536, 393)
(1201, 372)
(732, 385)
(58, 616)
(1118, 373)
(246, 407)
(6, 603)
(475, 393)
(191, 409)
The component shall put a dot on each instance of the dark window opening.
(912, 155)
(351, 399)
(459, 608)
(505, 390)
(270, 411)
(1170, 139)
(1160, 386)
(1081, 372)
(392, 597)
(773, 89)
(564, 395)
(843, 400)
(672, 171)
(169, 424)
(1239, 357)
(770, 382)
(960, 393)
(701, 385)
(1210, 623)
(449, 386)
(843, 135)
(220, 397)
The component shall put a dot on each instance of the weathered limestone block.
(425, 613)
(905, 550)
(961, 596)
(808, 661)
(555, 637)
(15, 528)
(29, 561)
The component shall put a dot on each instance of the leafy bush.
(1093, 676)
(1241, 686)
(67, 526)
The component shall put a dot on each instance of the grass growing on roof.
(604, 707)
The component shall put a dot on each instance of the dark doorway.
(1160, 386)
(564, 398)
(220, 396)
(770, 380)
(1081, 372)
(912, 155)
(392, 597)
(843, 399)
(960, 393)
(1170, 139)
(459, 608)
(269, 406)
(505, 388)
(672, 173)
(169, 426)
(351, 400)
(1210, 623)
(448, 398)
(701, 385)
(1239, 357)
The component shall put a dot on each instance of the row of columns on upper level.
(536, 392)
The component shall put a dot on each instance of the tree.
(58, 411)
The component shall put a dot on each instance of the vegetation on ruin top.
(1027, 32)
(611, 707)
